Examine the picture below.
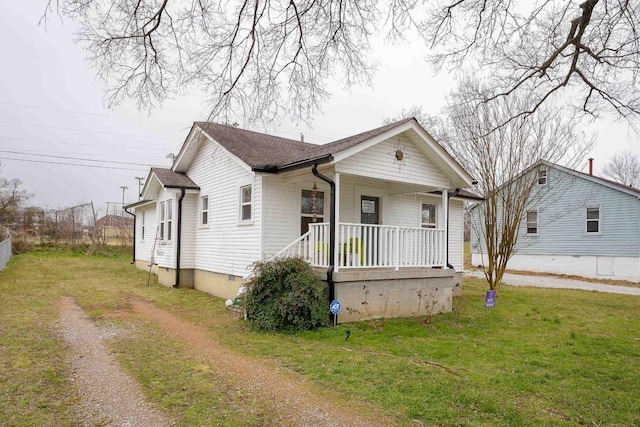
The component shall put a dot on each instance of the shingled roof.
(260, 150)
(171, 179)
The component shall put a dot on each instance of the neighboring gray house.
(577, 224)
(383, 208)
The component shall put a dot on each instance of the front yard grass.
(541, 357)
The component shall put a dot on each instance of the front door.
(368, 247)
(369, 210)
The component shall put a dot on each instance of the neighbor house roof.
(597, 179)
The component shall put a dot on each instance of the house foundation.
(369, 294)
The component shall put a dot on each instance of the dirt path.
(109, 397)
(292, 399)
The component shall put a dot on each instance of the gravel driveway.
(558, 283)
(110, 397)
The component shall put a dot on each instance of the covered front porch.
(370, 246)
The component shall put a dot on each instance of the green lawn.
(541, 357)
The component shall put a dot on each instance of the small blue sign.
(334, 307)
(490, 299)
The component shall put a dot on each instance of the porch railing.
(371, 246)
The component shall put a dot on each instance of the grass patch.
(541, 357)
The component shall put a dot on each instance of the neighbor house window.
(593, 220)
(169, 218)
(542, 177)
(245, 203)
(312, 209)
(142, 226)
(428, 215)
(532, 223)
(162, 220)
(204, 206)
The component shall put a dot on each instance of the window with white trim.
(542, 177)
(204, 210)
(169, 218)
(428, 215)
(245, 203)
(162, 220)
(532, 223)
(142, 225)
(593, 219)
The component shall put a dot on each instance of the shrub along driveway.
(541, 357)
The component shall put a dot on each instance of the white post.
(396, 248)
(336, 254)
(445, 221)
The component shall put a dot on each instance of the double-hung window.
(166, 219)
(142, 225)
(169, 218)
(428, 215)
(163, 220)
(593, 219)
(532, 223)
(542, 177)
(245, 203)
(204, 210)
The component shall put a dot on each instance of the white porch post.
(445, 225)
(336, 250)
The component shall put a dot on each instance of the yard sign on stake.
(490, 299)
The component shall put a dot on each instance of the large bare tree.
(624, 167)
(260, 59)
(12, 197)
(507, 162)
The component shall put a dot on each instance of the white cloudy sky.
(52, 114)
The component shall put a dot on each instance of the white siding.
(456, 234)
(379, 162)
(144, 247)
(225, 245)
(189, 224)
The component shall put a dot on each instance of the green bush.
(286, 294)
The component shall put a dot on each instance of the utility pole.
(139, 179)
(124, 187)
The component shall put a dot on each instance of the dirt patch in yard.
(290, 396)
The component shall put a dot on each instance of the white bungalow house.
(378, 214)
(575, 223)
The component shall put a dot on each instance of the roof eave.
(300, 164)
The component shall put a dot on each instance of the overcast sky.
(52, 115)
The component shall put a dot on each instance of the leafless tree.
(260, 59)
(12, 198)
(505, 163)
(587, 52)
(624, 167)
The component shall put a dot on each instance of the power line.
(74, 158)
(84, 130)
(88, 114)
(81, 143)
(71, 164)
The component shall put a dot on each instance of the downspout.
(449, 195)
(332, 234)
(179, 238)
(133, 258)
